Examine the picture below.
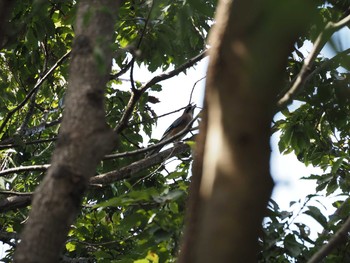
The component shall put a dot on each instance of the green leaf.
(171, 196)
(70, 246)
(336, 165)
(292, 246)
(316, 214)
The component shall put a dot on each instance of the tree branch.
(339, 237)
(22, 129)
(15, 193)
(39, 128)
(122, 124)
(133, 87)
(155, 118)
(24, 199)
(11, 144)
(176, 71)
(43, 167)
(154, 146)
(332, 61)
(194, 85)
(132, 169)
(14, 202)
(121, 72)
(19, 200)
(66, 259)
(321, 40)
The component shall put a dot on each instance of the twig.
(155, 118)
(327, 63)
(65, 259)
(123, 123)
(30, 93)
(145, 26)
(15, 193)
(132, 82)
(22, 130)
(176, 71)
(154, 146)
(143, 150)
(39, 128)
(194, 85)
(133, 88)
(10, 144)
(338, 238)
(321, 40)
(24, 169)
(121, 72)
(337, 213)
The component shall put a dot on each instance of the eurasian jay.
(177, 126)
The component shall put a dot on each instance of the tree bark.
(83, 140)
(250, 43)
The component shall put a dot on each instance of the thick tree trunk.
(249, 51)
(83, 140)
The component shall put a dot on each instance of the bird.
(177, 126)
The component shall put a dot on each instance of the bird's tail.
(154, 151)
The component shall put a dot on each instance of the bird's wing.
(178, 122)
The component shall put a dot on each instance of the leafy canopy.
(141, 218)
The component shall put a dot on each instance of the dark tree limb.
(14, 202)
(340, 237)
(328, 64)
(44, 167)
(23, 199)
(131, 170)
(5, 192)
(20, 200)
(20, 169)
(10, 144)
(39, 128)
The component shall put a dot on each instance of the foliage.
(141, 219)
(136, 219)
